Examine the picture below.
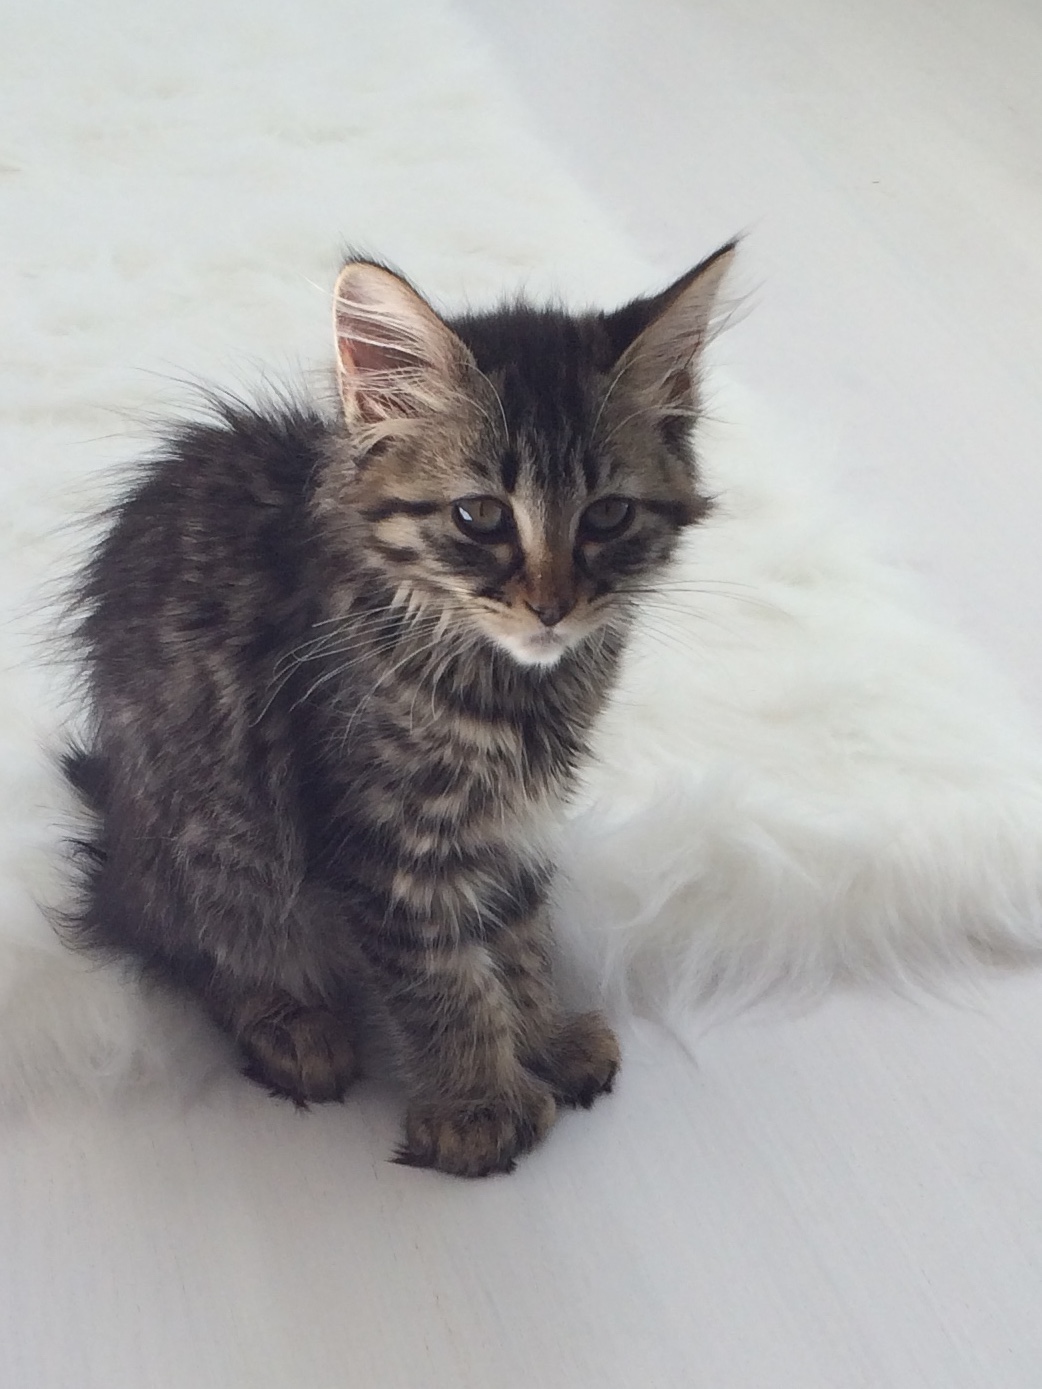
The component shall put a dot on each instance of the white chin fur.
(536, 648)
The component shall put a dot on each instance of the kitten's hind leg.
(578, 1057)
(305, 1052)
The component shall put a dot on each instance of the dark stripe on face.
(492, 564)
(679, 513)
(399, 506)
(635, 553)
(509, 470)
(591, 470)
(396, 554)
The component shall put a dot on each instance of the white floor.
(851, 1198)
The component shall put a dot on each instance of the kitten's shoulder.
(223, 500)
(263, 449)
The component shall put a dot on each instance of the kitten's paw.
(475, 1140)
(581, 1061)
(306, 1054)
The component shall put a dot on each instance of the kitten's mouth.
(545, 644)
(543, 647)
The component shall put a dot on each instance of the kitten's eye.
(606, 518)
(483, 518)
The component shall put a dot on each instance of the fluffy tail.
(85, 774)
(73, 1023)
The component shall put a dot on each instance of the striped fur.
(332, 730)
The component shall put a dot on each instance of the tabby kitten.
(343, 673)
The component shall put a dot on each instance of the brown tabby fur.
(332, 727)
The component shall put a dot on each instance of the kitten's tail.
(84, 773)
(74, 1023)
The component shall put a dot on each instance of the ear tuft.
(660, 364)
(396, 360)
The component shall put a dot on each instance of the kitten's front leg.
(577, 1056)
(474, 1109)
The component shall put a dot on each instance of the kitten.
(342, 675)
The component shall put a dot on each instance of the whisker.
(660, 412)
(499, 401)
(368, 649)
(279, 683)
(607, 394)
(371, 634)
(681, 617)
(685, 641)
(656, 591)
(317, 646)
(708, 579)
(413, 654)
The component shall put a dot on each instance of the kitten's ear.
(660, 340)
(396, 359)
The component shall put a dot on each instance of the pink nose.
(551, 612)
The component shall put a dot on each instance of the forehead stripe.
(509, 470)
(591, 473)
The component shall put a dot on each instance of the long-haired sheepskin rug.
(803, 777)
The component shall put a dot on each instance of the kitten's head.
(526, 471)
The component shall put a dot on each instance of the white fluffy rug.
(803, 778)
(806, 779)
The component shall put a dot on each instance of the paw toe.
(477, 1140)
(307, 1055)
(582, 1061)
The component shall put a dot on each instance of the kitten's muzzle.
(551, 612)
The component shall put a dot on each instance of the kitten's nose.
(551, 612)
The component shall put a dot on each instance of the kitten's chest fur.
(429, 775)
